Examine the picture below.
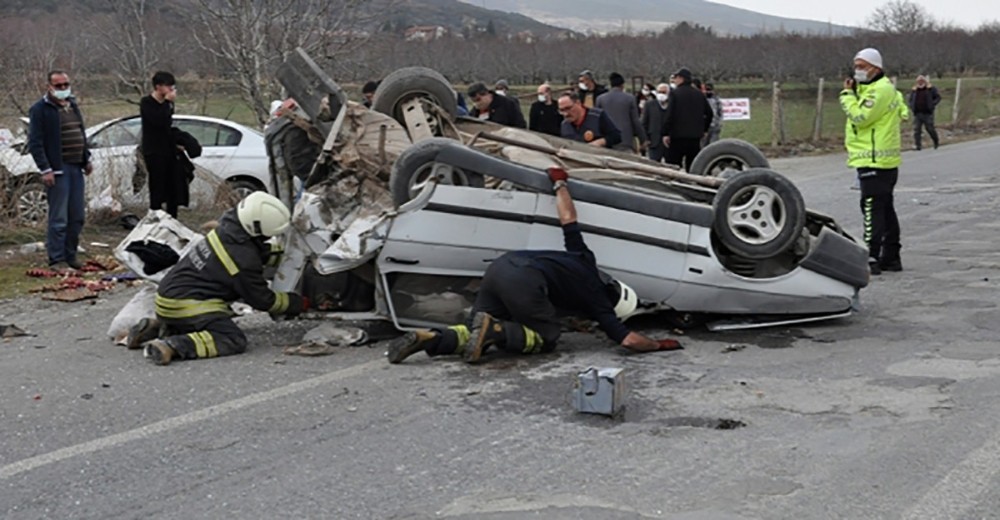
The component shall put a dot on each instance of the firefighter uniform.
(192, 302)
(872, 137)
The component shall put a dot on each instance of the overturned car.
(405, 206)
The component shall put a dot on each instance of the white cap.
(871, 56)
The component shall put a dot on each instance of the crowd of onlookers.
(669, 122)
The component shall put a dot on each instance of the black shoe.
(894, 266)
(74, 264)
(147, 329)
(159, 352)
(874, 268)
(409, 344)
(486, 331)
(935, 146)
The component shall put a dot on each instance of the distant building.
(425, 33)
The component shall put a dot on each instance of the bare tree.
(901, 17)
(129, 44)
(250, 38)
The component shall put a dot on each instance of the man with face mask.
(502, 88)
(544, 114)
(588, 90)
(58, 144)
(923, 99)
(874, 109)
(653, 118)
(490, 106)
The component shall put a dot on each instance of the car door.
(434, 256)
(218, 141)
(113, 155)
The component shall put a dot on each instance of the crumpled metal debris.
(12, 331)
(327, 339)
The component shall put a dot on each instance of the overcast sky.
(968, 13)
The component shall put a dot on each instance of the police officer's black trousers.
(207, 336)
(682, 152)
(879, 214)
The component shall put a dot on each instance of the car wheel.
(758, 213)
(725, 157)
(236, 190)
(416, 165)
(415, 83)
(31, 203)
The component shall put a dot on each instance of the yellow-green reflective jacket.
(872, 134)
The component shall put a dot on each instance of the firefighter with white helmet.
(193, 315)
(523, 294)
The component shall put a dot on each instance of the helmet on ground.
(621, 295)
(262, 214)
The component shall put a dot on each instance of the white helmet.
(627, 300)
(263, 214)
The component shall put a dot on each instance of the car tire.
(758, 214)
(30, 202)
(414, 82)
(726, 156)
(415, 165)
(233, 191)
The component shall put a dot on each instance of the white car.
(231, 153)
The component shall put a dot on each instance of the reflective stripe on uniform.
(221, 253)
(869, 205)
(532, 341)
(280, 304)
(204, 344)
(274, 256)
(180, 309)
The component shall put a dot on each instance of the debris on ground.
(336, 336)
(733, 348)
(309, 350)
(12, 331)
(75, 285)
(142, 305)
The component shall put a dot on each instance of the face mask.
(860, 75)
(502, 93)
(661, 97)
(541, 98)
(646, 92)
(583, 86)
(62, 94)
(672, 86)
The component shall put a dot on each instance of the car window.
(122, 133)
(210, 134)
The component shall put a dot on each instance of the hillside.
(644, 15)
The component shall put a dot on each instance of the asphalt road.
(892, 413)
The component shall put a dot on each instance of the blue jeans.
(66, 214)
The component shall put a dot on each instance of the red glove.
(669, 344)
(557, 174)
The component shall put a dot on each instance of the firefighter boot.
(147, 329)
(410, 343)
(486, 331)
(159, 352)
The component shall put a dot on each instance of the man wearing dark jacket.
(193, 317)
(158, 149)
(58, 144)
(522, 294)
(587, 125)
(923, 99)
(624, 113)
(544, 115)
(653, 118)
(688, 119)
(496, 108)
(589, 90)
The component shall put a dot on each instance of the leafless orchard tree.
(130, 43)
(250, 38)
(901, 17)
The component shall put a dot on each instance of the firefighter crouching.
(193, 315)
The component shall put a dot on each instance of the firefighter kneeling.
(193, 317)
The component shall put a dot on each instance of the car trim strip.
(549, 221)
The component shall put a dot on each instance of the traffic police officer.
(516, 308)
(194, 319)
(874, 109)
